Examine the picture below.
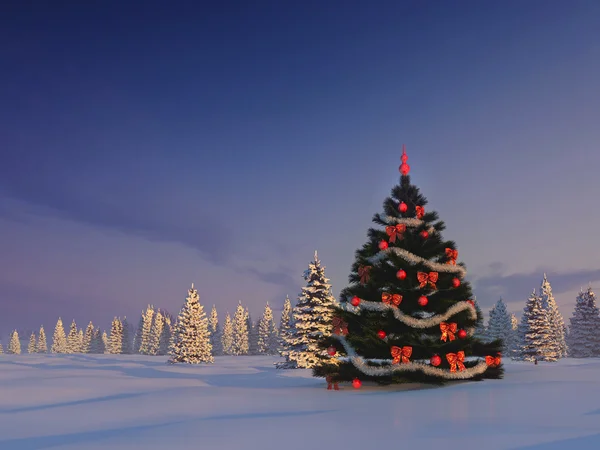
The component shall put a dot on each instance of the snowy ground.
(82, 402)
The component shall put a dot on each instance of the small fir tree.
(31, 346)
(191, 343)
(105, 341)
(86, 346)
(127, 348)
(537, 343)
(215, 332)
(267, 333)
(146, 330)
(59, 340)
(1, 349)
(155, 333)
(227, 337)
(240, 345)
(115, 342)
(137, 337)
(499, 325)
(72, 344)
(514, 343)
(252, 337)
(42, 345)
(555, 318)
(97, 343)
(285, 322)
(166, 337)
(584, 336)
(80, 339)
(14, 344)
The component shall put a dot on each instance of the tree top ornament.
(404, 168)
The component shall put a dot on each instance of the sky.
(146, 147)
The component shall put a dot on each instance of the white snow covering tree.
(31, 346)
(86, 346)
(267, 333)
(14, 344)
(312, 316)
(155, 332)
(1, 349)
(72, 344)
(227, 336)
(499, 325)
(105, 341)
(166, 337)
(584, 336)
(240, 344)
(42, 344)
(97, 343)
(536, 333)
(555, 318)
(127, 348)
(80, 339)
(59, 340)
(286, 321)
(252, 336)
(191, 343)
(137, 337)
(514, 343)
(115, 342)
(146, 331)
(215, 332)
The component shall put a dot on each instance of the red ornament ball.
(402, 207)
(423, 300)
(455, 282)
(435, 360)
(331, 351)
(383, 245)
(424, 234)
(356, 383)
(401, 274)
(381, 334)
(355, 301)
(462, 334)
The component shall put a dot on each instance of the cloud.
(280, 277)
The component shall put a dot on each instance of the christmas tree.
(584, 338)
(536, 332)
(407, 315)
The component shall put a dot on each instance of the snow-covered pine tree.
(1, 349)
(191, 343)
(146, 330)
(252, 337)
(86, 346)
(115, 342)
(105, 341)
(536, 332)
(215, 332)
(72, 346)
(227, 336)
(313, 316)
(31, 346)
(267, 333)
(155, 332)
(42, 345)
(499, 325)
(285, 322)
(97, 344)
(14, 344)
(59, 340)
(240, 345)
(514, 343)
(584, 336)
(80, 339)
(127, 348)
(137, 337)
(555, 318)
(166, 336)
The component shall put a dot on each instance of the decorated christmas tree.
(408, 314)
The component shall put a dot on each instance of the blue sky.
(147, 147)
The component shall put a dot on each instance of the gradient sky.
(148, 145)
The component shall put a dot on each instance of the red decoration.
(356, 383)
(383, 245)
(448, 330)
(493, 361)
(456, 361)
(423, 300)
(419, 212)
(391, 299)
(471, 302)
(424, 234)
(395, 232)
(427, 279)
(452, 255)
(455, 282)
(401, 274)
(381, 334)
(363, 273)
(339, 326)
(462, 334)
(401, 354)
(404, 168)
(331, 383)
(435, 360)
(331, 351)
(355, 301)
(402, 207)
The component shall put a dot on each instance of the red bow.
(425, 279)
(456, 360)
(339, 326)
(493, 361)
(395, 231)
(452, 256)
(401, 354)
(389, 299)
(363, 273)
(448, 330)
(330, 382)
(420, 212)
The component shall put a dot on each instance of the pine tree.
(97, 343)
(72, 346)
(86, 346)
(14, 344)
(105, 342)
(514, 343)
(584, 336)
(227, 337)
(59, 340)
(408, 314)
(536, 334)
(313, 315)
(240, 345)
(80, 339)
(137, 337)
(191, 343)
(555, 318)
(215, 332)
(115, 342)
(42, 345)
(499, 325)
(146, 331)
(1, 349)
(267, 333)
(127, 348)
(155, 333)
(285, 322)
(166, 337)
(31, 346)
(252, 337)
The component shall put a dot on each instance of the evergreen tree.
(408, 314)
(42, 345)
(514, 343)
(105, 342)
(1, 349)
(227, 337)
(499, 325)
(252, 337)
(86, 346)
(80, 339)
(166, 337)
(191, 343)
(97, 343)
(31, 346)
(536, 342)
(313, 316)
(137, 338)
(127, 348)
(14, 345)
(584, 336)
(267, 333)
(555, 318)
(146, 330)
(115, 342)
(59, 340)
(240, 345)
(285, 322)
(155, 333)
(215, 332)
(72, 345)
